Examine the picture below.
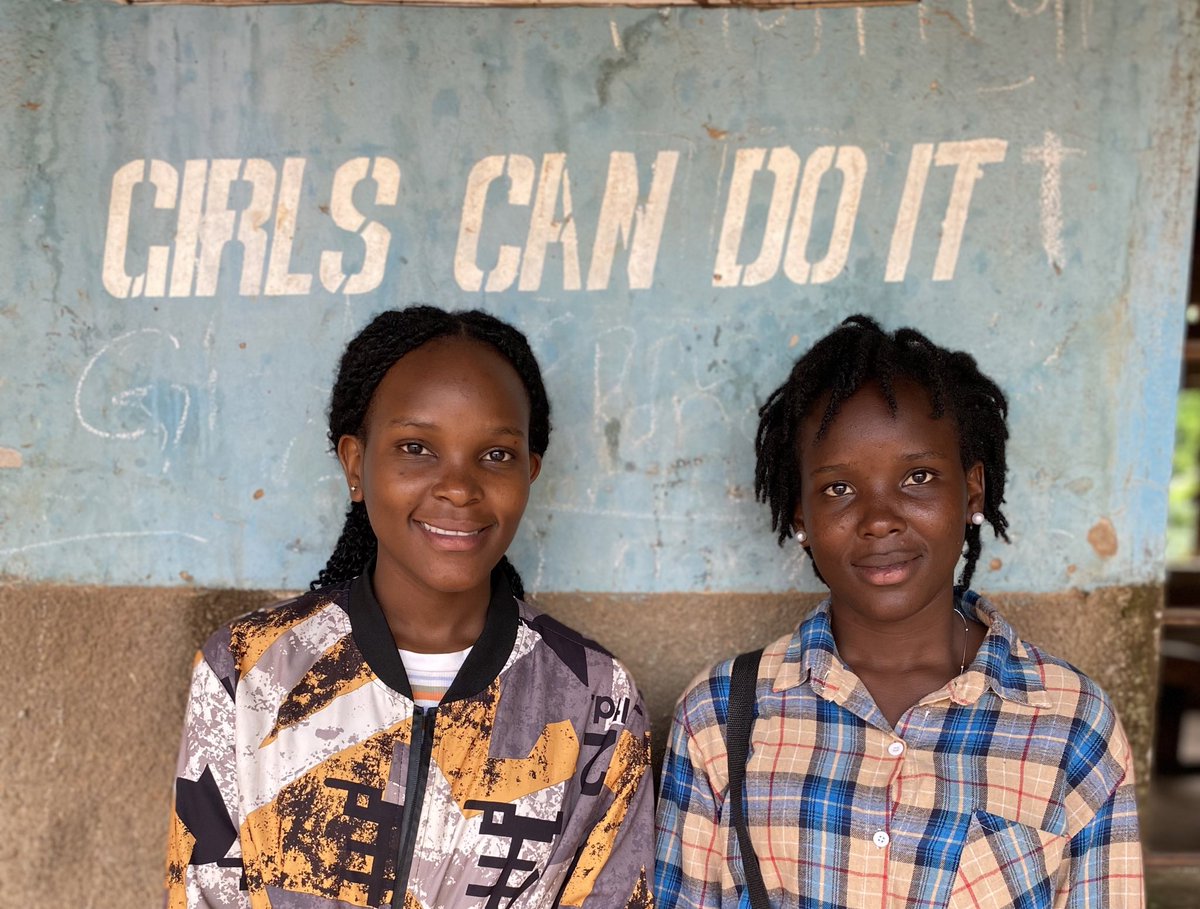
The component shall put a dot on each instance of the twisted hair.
(367, 359)
(858, 353)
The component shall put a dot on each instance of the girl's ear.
(535, 466)
(797, 519)
(975, 488)
(350, 452)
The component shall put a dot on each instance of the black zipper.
(420, 753)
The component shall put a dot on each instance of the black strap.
(742, 685)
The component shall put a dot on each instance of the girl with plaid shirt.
(907, 748)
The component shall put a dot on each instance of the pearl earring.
(977, 518)
(801, 537)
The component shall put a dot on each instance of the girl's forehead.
(908, 408)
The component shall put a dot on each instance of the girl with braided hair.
(904, 747)
(410, 732)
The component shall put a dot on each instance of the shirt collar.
(1002, 664)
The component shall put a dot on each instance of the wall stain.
(612, 437)
(1103, 538)
(633, 39)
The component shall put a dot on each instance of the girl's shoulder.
(243, 639)
(578, 659)
(704, 703)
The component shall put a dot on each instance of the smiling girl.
(905, 746)
(410, 733)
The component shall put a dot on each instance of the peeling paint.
(10, 458)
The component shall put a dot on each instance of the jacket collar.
(491, 651)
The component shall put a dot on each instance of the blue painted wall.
(202, 205)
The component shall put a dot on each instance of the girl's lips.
(886, 575)
(452, 540)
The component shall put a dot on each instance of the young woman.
(410, 733)
(906, 747)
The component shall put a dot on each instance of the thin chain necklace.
(966, 637)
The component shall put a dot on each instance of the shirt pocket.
(1007, 864)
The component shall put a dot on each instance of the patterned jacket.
(308, 779)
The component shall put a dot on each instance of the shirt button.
(881, 838)
(896, 749)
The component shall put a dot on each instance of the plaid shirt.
(1010, 786)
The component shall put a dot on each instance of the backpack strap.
(742, 689)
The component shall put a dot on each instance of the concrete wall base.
(94, 680)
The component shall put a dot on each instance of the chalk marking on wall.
(860, 26)
(210, 335)
(922, 19)
(616, 35)
(123, 397)
(971, 17)
(816, 32)
(1085, 22)
(1026, 12)
(108, 535)
(1060, 31)
(986, 89)
(1051, 154)
(772, 25)
(10, 458)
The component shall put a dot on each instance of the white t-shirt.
(430, 674)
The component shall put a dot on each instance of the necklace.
(966, 637)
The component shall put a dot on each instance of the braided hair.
(858, 353)
(367, 359)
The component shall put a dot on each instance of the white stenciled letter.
(376, 238)
(910, 208)
(216, 227)
(546, 226)
(852, 162)
(260, 175)
(187, 229)
(969, 157)
(467, 272)
(784, 164)
(637, 228)
(153, 281)
(280, 280)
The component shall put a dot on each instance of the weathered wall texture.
(200, 206)
(94, 680)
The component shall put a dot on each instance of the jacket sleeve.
(691, 856)
(204, 864)
(615, 866)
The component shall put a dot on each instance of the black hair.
(858, 353)
(367, 359)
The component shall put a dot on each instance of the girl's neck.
(430, 621)
(931, 637)
(903, 661)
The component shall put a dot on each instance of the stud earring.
(801, 537)
(353, 489)
(977, 518)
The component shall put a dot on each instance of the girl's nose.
(880, 517)
(457, 484)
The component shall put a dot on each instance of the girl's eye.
(413, 448)
(918, 478)
(836, 490)
(498, 456)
